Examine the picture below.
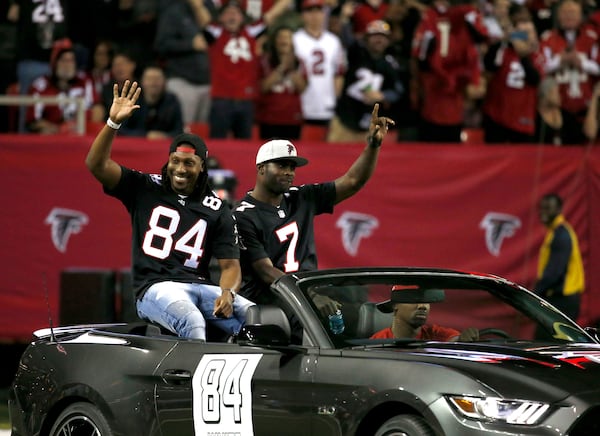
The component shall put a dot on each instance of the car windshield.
(433, 307)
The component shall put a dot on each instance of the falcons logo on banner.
(498, 226)
(355, 226)
(63, 223)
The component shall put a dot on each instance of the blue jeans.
(184, 308)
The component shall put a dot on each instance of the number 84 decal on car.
(223, 394)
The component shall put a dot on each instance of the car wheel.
(405, 425)
(81, 419)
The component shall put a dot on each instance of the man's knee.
(187, 320)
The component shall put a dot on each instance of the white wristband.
(110, 123)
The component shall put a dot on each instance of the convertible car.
(294, 369)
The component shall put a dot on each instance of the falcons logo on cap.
(63, 223)
(291, 149)
(498, 226)
(355, 226)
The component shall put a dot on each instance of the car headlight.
(499, 409)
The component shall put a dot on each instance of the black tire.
(405, 425)
(81, 419)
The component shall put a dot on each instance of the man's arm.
(278, 8)
(98, 160)
(231, 277)
(560, 251)
(362, 169)
(266, 271)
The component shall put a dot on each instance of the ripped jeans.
(184, 308)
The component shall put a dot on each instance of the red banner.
(465, 207)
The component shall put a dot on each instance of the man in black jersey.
(275, 219)
(178, 224)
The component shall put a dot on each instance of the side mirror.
(268, 335)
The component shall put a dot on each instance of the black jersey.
(40, 24)
(173, 236)
(366, 73)
(284, 234)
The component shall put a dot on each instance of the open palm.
(124, 105)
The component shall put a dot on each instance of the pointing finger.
(375, 113)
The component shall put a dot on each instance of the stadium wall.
(466, 207)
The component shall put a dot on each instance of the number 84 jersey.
(174, 236)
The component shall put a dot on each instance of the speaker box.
(126, 297)
(87, 296)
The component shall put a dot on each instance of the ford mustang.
(497, 360)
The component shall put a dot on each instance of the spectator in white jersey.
(178, 225)
(323, 56)
(275, 219)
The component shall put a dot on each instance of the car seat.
(371, 320)
(261, 314)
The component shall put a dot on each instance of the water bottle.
(336, 323)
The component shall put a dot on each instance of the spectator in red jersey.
(282, 81)
(234, 71)
(516, 66)
(444, 46)
(571, 54)
(556, 126)
(64, 80)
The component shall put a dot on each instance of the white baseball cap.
(279, 149)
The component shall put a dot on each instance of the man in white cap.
(275, 219)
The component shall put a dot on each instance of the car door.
(207, 388)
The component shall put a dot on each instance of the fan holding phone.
(515, 66)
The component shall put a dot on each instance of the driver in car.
(410, 318)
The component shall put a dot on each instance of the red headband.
(185, 149)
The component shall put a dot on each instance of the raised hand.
(378, 127)
(123, 106)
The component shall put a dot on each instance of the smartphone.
(519, 34)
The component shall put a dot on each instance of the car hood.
(523, 368)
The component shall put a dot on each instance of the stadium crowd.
(517, 71)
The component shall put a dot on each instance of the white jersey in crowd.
(324, 58)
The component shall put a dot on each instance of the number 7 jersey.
(173, 236)
(284, 234)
